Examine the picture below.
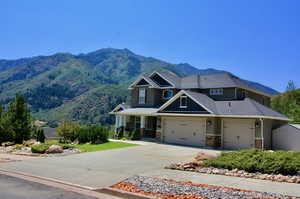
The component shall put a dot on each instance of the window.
(167, 94)
(142, 95)
(216, 91)
(183, 101)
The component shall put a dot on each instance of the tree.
(20, 119)
(291, 86)
(68, 130)
(40, 136)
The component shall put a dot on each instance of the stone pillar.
(142, 127)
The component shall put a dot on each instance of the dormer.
(143, 81)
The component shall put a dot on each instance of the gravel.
(160, 186)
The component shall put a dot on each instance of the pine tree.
(20, 118)
(291, 86)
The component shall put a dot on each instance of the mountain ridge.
(61, 85)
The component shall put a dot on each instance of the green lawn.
(95, 147)
(101, 147)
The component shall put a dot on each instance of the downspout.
(262, 132)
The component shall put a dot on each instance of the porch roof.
(138, 111)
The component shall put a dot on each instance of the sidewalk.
(229, 181)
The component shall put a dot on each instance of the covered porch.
(146, 125)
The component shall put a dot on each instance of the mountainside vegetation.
(288, 103)
(82, 87)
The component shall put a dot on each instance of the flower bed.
(171, 189)
(258, 164)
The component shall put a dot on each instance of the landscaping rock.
(164, 188)
(55, 149)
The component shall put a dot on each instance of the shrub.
(68, 131)
(255, 160)
(136, 135)
(98, 133)
(40, 136)
(83, 135)
(92, 134)
(39, 148)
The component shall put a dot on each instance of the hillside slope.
(288, 103)
(82, 87)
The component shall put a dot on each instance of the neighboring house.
(217, 110)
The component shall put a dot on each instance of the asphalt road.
(15, 188)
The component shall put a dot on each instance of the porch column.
(142, 129)
(262, 132)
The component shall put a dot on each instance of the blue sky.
(257, 40)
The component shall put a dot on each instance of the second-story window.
(183, 101)
(142, 96)
(216, 91)
(167, 94)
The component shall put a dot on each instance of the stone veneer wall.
(213, 132)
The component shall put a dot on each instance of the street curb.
(17, 173)
(123, 194)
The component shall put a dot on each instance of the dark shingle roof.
(221, 80)
(246, 107)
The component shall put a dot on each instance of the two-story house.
(216, 110)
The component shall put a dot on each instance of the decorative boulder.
(55, 149)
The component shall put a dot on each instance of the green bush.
(255, 160)
(39, 148)
(83, 135)
(92, 134)
(136, 135)
(68, 130)
(40, 136)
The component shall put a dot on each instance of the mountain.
(82, 87)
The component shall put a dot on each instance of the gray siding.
(154, 97)
(228, 94)
(264, 100)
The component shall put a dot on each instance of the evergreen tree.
(20, 118)
(291, 86)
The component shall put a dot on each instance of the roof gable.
(194, 105)
(160, 80)
(143, 81)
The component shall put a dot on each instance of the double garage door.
(237, 133)
(185, 131)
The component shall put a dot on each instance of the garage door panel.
(186, 131)
(238, 133)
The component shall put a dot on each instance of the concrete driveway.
(104, 168)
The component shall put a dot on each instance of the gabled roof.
(120, 106)
(201, 99)
(147, 79)
(245, 108)
(221, 80)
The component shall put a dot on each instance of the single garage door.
(185, 131)
(238, 133)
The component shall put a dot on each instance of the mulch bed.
(171, 189)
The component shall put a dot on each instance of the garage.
(238, 133)
(184, 131)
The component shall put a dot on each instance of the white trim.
(166, 90)
(178, 95)
(155, 72)
(180, 101)
(116, 108)
(262, 132)
(139, 79)
(205, 115)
